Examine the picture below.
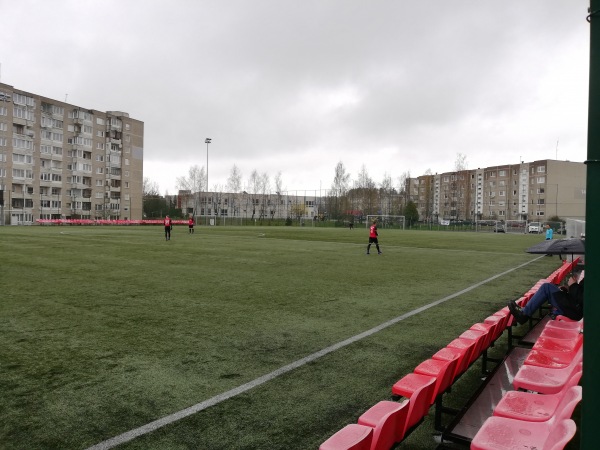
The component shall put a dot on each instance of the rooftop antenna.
(66, 96)
(557, 149)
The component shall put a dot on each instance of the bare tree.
(193, 184)
(279, 193)
(339, 189)
(265, 191)
(254, 184)
(386, 194)
(234, 187)
(458, 187)
(367, 192)
(150, 188)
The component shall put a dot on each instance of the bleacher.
(525, 401)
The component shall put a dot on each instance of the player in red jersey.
(373, 238)
(191, 224)
(168, 224)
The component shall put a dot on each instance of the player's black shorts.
(373, 240)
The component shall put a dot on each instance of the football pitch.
(233, 337)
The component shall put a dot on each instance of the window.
(23, 99)
(3, 111)
(502, 173)
(22, 113)
(100, 170)
(3, 126)
(22, 143)
(3, 142)
(541, 169)
(539, 213)
(541, 180)
(23, 159)
(22, 173)
(540, 190)
(100, 121)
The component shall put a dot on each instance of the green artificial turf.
(105, 329)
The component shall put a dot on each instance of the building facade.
(533, 191)
(61, 161)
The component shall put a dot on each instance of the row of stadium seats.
(390, 422)
(537, 414)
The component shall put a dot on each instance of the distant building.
(60, 161)
(530, 191)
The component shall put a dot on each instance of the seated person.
(565, 300)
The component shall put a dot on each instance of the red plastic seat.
(555, 360)
(558, 345)
(351, 437)
(500, 322)
(419, 389)
(564, 324)
(538, 407)
(442, 370)
(480, 338)
(499, 433)
(452, 354)
(489, 328)
(503, 313)
(560, 333)
(467, 346)
(546, 380)
(387, 420)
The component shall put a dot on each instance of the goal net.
(386, 221)
(516, 226)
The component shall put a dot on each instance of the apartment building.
(530, 191)
(60, 161)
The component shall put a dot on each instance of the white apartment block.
(530, 191)
(61, 161)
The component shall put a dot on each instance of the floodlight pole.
(207, 141)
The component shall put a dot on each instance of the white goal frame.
(516, 226)
(386, 221)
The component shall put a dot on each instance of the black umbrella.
(559, 247)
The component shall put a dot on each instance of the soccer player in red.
(373, 238)
(191, 224)
(168, 224)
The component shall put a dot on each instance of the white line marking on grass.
(154, 425)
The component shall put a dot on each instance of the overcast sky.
(296, 86)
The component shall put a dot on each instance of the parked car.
(534, 227)
(499, 228)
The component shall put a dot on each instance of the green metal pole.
(591, 355)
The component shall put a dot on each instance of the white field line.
(154, 425)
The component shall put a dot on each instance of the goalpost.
(516, 226)
(386, 221)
